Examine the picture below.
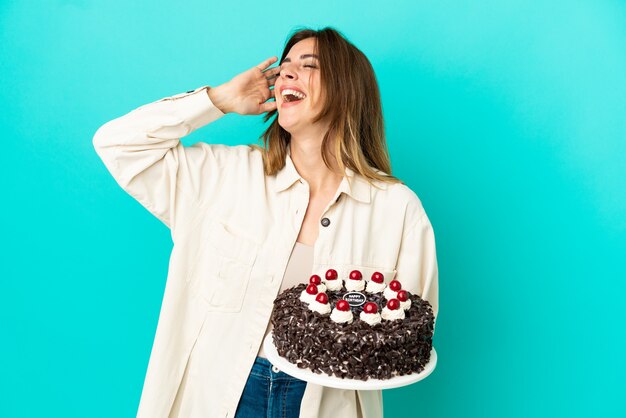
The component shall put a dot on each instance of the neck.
(306, 154)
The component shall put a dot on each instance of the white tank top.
(298, 271)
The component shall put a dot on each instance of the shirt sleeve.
(143, 152)
(417, 262)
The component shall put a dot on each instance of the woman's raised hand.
(248, 92)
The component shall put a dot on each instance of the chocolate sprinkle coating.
(358, 350)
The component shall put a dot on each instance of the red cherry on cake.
(370, 307)
(378, 277)
(331, 274)
(343, 305)
(393, 304)
(355, 275)
(395, 285)
(322, 298)
(402, 295)
(311, 289)
(316, 280)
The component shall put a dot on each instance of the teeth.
(293, 92)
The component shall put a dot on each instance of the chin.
(289, 126)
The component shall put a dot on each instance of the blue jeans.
(270, 393)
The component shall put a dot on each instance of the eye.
(281, 66)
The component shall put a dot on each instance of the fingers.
(266, 63)
(268, 106)
(272, 80)
(272, 74)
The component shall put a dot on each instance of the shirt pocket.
(223, 267)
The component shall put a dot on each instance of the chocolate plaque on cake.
(354, 298)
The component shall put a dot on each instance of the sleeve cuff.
(195, 107)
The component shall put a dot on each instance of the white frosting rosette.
(355, 285)
(370, 318)
(322, 308)
(373, 287)
(341, 316)
(335, 285)
(306, 297)
(406, 305)
(321, 288)
(391, 315)
(390, 294)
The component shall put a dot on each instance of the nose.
(286, 72)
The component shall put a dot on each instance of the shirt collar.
(352, 184)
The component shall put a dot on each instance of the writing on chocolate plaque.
(354, 298)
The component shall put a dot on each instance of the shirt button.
(325, 222)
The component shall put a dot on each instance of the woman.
(249, 221)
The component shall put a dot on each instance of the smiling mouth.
(291, 95)
(289, 98)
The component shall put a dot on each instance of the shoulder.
(399, 206)
(398, 197)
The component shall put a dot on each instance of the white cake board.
(336, 382)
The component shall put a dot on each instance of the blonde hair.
(353, 107)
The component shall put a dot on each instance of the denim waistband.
(264, 368)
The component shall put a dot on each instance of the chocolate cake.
(333, 326)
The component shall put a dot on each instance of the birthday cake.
(353, 328)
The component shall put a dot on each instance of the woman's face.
(300, 71)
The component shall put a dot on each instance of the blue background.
(508, 119)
